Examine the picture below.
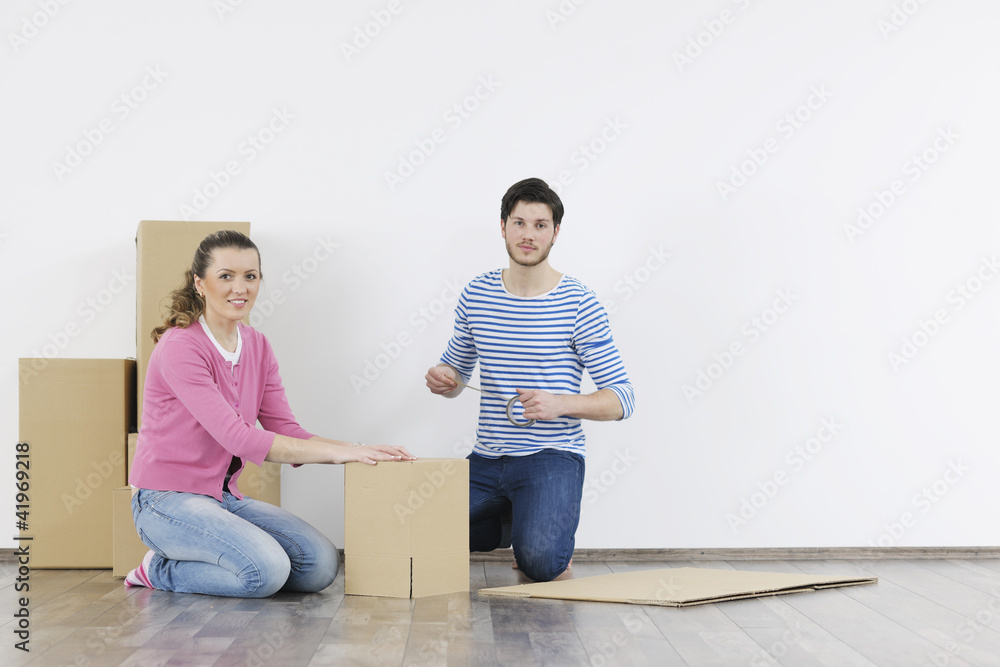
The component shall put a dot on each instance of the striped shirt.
(540, 342)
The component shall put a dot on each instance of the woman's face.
(230, 283)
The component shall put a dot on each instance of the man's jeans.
(533, 501)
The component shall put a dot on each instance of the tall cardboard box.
(406, 528)
(75, 415)
(133, 439)
(164, 250)
(128, 548)
(261, 482)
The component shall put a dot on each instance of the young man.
(534, 331)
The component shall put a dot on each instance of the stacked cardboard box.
(75, 416)
(128, 548)
(406, 528)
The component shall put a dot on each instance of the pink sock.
(138, 576)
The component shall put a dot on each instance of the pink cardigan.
(197, 413)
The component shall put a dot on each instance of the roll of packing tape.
(510, 414)
(510, 405)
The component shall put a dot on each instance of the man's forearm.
(602, 405)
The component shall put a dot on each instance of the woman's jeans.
(529, 502)
(235, 548)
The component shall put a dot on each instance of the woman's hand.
(372, 454)
(286, 449)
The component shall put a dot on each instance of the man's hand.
(541, 405)
(602, 405)
(441, 380)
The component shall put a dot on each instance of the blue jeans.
(534, 501)
(235, 548)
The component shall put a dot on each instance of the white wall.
(842, 99)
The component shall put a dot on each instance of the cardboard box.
(677, 587)
(74, 417)
(133, 438)
(128, 548)
(164, 250)
(261, 483)
(406, 528)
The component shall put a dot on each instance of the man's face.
(529, 233)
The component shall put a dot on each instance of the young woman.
(209, 381)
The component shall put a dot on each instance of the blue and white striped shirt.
(540, 342)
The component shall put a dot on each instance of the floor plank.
(941, 613)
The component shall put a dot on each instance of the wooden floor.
(940, 613)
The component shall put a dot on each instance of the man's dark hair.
(531, 191)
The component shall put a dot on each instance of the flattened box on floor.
(406, 528)
(676, 587)
(75, 416)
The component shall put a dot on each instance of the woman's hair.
(186, 305)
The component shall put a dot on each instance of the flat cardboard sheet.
(676, 587)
